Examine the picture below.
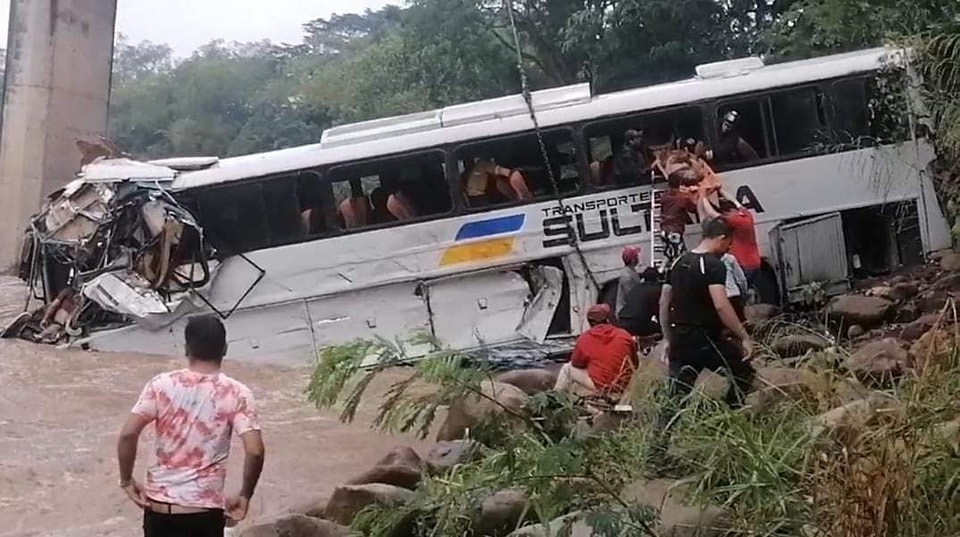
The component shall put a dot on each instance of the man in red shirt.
(675, 209)
(744, 234)
(603, 360)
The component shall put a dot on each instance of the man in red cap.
(603, 360)
(629, 278)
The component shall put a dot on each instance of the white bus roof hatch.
(452, 116)
(728, 68)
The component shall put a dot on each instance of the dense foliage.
(233, 98)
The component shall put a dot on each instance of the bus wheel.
(766, 287)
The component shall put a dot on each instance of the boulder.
(948, 282)
(554, 528)
(881, 292)
(879, 362)
(348, 500)
(793, 345)
(297, 526)
(867, 311)
(776, 384)
(856, 414)
(950, 262)
(904, 291)
(402, 467)
(918, 328)
(932, 348)
(855, 331)
(502, 512)
(758, 313)
(676, 518)
(313, 508)
(531, 381)
(932, 302)
(907, 312)
(471, 410)
(446, 455)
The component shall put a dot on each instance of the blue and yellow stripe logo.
(484, 240)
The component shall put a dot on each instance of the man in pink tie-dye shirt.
(195, 411)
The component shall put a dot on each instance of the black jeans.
(691, 352)
(209, 524)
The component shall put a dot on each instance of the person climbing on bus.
(629, 278)
(486, 182)
(676, 207)
(733, 149)
(744, 231)
(603, 360)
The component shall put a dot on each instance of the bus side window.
(621, 149)
(250, 216)
(509, 170)
(741, 133)
(849, 123)
(390, 190)
(797, 120)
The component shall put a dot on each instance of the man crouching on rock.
(603, 360)
(195, 411)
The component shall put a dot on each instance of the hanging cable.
(528, 99)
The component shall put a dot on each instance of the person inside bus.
(603, 360)
(355, 210)
(743, 227)
(487, 183)
(732, 148)
(378, 203)
(641, 308)
(676, 207)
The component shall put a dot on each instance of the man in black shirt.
(641, 306)
(694, 310)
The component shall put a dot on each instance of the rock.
(881, 292)
(502, 512)
(348, 500)
(907, 312)
(776, 384)
(531, 381)
(446, 455)
(607, 422)
(950, 433)
(313, 508)
(554, 528)
(794, 345)
(468, 412)
(879, 362)
(950, 262)
(297, 526)
(402, 467)
(757, 313)
(932, 302)
(904, 291)
(948, 282)
(856, 414)
(676, 518)
(932, 348)
(867, 311)
(855, 331)
(918, 328)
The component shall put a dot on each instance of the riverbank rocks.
(502, 512)
(866, 311)
(777, 384)
(793, 345)
(531, 381)
(555, 528)
(348, 500)
(856, 414)
(402, 467)
(918, 328)
(498, 400)
(879, 362)
(446, 455)
(297, 526)
(676, 518)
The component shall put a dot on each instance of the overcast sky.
(187, 24)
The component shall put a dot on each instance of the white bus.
(295, 276)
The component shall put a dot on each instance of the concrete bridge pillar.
(59, 58)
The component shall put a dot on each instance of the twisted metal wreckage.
(111, 247)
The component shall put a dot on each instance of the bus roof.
(561, 106)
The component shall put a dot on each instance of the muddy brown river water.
(60, 412)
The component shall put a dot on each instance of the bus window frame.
(330, 177)
(455, 178)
